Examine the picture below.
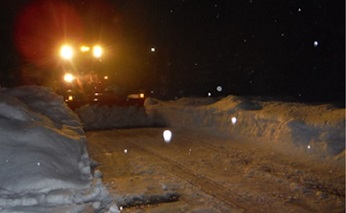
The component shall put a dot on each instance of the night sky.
(270, 48)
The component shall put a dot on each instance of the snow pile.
(44, 164)
(315, 128)
(45, 167)
(107, 117)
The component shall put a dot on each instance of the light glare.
(234, 120)
(66, 52)
(167, 136)
(97, 51)
(85, 49)
(68, 77)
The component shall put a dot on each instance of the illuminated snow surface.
(44, 164)
(317, 128)
(45, 167)
(295, 129)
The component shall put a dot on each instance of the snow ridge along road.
(213, 174)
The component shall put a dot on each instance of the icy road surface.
(212, 174)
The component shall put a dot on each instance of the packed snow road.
(198, 172)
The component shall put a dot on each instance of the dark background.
(271, 48)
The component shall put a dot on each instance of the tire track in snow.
(205, 184)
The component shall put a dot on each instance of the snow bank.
(44, 164)
(315, 128)
(45, 167)
(107, 117)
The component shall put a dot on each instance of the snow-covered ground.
(44, 164)
(45, 167)
(286, 150)
(315, 128)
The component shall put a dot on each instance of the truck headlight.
(68, 77)
(66, 52)
(84, 49)
(97, 51)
